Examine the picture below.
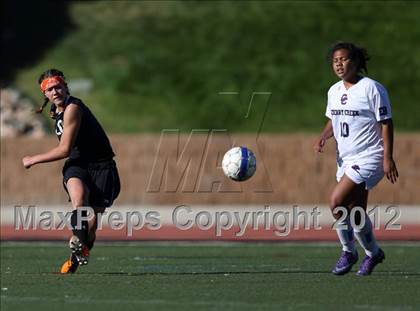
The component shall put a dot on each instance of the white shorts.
(367, 170)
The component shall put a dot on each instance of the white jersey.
(355, 113)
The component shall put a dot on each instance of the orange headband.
(49, 82)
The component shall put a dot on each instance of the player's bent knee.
(76, 203)
(335, 202)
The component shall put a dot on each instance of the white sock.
(346, 236)
(366, 238)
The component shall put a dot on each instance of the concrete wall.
(288, 171)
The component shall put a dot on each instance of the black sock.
(81, 233)
(90, 244)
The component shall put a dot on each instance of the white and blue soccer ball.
(239, 163)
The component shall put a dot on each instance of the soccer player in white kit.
(360, 120)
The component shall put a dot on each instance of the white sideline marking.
(222, 304)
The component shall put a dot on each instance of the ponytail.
(52, 109)
(40, 109)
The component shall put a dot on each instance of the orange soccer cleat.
(79, 251)
(70, 265)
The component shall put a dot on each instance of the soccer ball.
(239, 163)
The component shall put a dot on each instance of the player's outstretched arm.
(390, 167)
(325, 135)
(72, 119)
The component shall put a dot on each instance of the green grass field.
(227, 276)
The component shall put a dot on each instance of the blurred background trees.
(145, 66)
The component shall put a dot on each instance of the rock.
(18, 117)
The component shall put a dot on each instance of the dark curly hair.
(357, 54)
(46, 74)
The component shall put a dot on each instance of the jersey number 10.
(344, 129)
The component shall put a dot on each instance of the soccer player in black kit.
(90, 175)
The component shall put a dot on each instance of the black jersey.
(91, 144)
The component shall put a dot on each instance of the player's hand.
(319, 144)
(390, 170)
(27, 162)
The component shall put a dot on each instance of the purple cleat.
(345, 263)
(369, 263)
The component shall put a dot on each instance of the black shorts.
(101, 178)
